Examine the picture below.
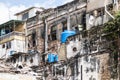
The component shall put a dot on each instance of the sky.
(9, 7)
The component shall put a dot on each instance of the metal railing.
(11, 34)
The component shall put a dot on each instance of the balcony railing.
(11, 35)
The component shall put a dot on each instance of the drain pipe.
(107, 10)
(68, 20)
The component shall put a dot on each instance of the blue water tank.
(66, 34)
(52, 58)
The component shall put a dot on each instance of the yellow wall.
(20, 28)
(11, 38)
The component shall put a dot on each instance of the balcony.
(12, 35)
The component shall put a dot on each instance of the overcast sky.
(9, 7)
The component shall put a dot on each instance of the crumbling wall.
(104, 66)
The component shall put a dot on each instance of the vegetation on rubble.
(112, 29)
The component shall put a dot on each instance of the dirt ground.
(8, 76)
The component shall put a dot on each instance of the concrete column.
(68, 20)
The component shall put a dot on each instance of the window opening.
(8, 45)
(25, 16)
(53, 33)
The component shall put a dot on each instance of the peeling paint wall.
(91, 68)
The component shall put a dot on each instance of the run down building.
(12, 40)
(88, 53)
(32, 57)
(71, 16)
(78, 59)
(56, 23)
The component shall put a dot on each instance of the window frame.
(25, 16)
(8, 45)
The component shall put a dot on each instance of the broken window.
(8, 45)
(42, 32)
(3, 31)
(25, 59)
(49, 34)
(34, 39)
(14, 60)
(28, 45)
(58, 70)
(49, 38)
(3, 46)
(31, 38)
(81, 20)
(64, 25)
(84, 19)
(73, 21)
(31, 60)
(25, 16)
(53, 32)
(59, 30)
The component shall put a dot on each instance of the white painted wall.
(19, 17)
(70, 46)
(31, 13)
(2, 51)
(35, 60)
(16, 45)
(89, 74)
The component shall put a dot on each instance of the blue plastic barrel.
(66, 34)
(52, 58)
